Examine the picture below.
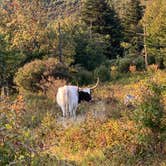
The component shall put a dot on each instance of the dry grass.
(95, 141)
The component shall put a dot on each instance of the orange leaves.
(19, 104)
(96, 135)
(41, 75)
(152, 68)
(101, 140)
(15, 4)
(132, 69)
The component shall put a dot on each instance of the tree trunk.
(60, 43)
(145, 49)
(2, 92)
(90, 31)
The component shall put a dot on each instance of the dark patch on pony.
(83, 96)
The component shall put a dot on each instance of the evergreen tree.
(102, 19)
(134, 12)
(89, 53)
(132, 15)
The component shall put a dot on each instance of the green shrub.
(103, 73)
(139, 62)
(151, 59)
(160, 61)
(83, 77)
(90, 54)
(21, 146)
(151, 114)
(151, 110)
(113, 62)
(29, 76)
(123, 64)
(16, 142)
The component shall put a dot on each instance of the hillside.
(65, 8)
(82, 83)
(104, 132)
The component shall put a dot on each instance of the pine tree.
(132, 15)
(102, 19)
(134, 12)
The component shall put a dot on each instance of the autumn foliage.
(34, 76)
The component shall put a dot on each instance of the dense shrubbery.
(21, 146)
(30, 76)
(118, 139)
(103, 72)
(16, 143)
(123, 64)
(83, 77)
(37, 107)
(139, 62)
(31, 124)
(151, 114)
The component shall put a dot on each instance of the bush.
(37, 107)
(103, 73)
(151, 114)
(21, 146)
(151, 111)
(50, 86)
(16, 142)
(83, 77)
(152, 68)
(29, 76)
(161, 62)
(139, 62)
(151, 59)
(123, 64)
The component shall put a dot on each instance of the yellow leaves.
(94, 135)
(22, 38)
(160, 77)
(8, 126)
(27, 133)
(152, 68)
(91, 137)
(19, 104)
(114, 68)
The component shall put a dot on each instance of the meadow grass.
(108, 134)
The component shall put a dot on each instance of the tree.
(22, 31)
(133, 13)
(65, 43)
(24, 24)
(102, 19)
(89, 53)
(155, 21)
(24, 35)
(9, 62)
